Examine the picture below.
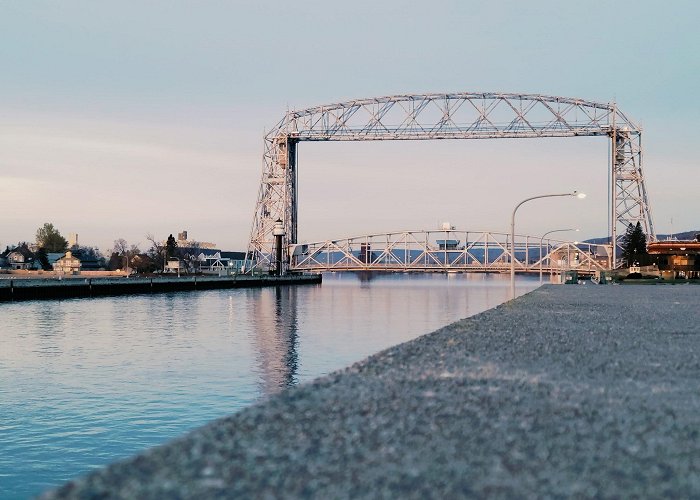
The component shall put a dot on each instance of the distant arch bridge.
(450, 251)
(465, 115)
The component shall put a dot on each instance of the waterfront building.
(68, 264)
(21, 258)
(175, 265)
(53, 257)
(183, 242)
(218, 261)
(677, 258)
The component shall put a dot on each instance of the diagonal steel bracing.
(444, 116)
(468, 251)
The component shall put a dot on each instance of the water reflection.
(287, 321)
(87, 382)
(366, 277)
(276, 338)
(49, 337)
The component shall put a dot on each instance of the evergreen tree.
(50, 239)
(634, 245)
(170, 247)
(43, 259)
(625, 245)
(115, 262)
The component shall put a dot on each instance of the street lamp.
(542, 241)
(512, 232)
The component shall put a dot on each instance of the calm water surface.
(86, 382)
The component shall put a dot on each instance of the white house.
(67, 264)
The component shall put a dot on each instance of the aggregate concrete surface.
(585, 391)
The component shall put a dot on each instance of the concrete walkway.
(568, 391)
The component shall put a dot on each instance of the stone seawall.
(569, 391)
(33, 289)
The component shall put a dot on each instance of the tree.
(50, 239)
(190, 255)
(156, 252)
(120, 246)
(91, 256)
(142, 263)
(170, 247)
(92, 253)
(634, 245)
(43, 259)
(122, 254)
(115, 262)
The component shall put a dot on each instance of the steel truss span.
(444, 116)
(444, 251)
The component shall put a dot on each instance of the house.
(211, 260)
(90, 260)
(67, 264)
(52, 257)
(21, 258)
(216, 261)
(174, 265)
(677, 258)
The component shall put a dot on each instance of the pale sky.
(120, 119)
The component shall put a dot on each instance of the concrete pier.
(14, 289)
(587, 391)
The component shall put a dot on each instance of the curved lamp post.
(512, 232)
(542, 241)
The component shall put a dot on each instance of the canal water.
(85, 382)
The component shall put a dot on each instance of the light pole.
(542, 241)
(512, 232)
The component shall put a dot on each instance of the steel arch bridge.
(444, 116)
(449, 251)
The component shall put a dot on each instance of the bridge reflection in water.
(450, 251)
(276, 338)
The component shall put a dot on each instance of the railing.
(449, 251)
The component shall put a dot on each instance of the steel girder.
(443, 251)
(629, 197)
(443, 116)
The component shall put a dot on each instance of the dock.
(73, 287)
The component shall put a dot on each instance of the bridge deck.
(450, 251)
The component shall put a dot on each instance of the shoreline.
(14, 290)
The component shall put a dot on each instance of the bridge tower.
(444, 116)
(629, 203)
(277, 200)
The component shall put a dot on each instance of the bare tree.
(156, 252)
(190, 255)
(120, 246)
(123, 253)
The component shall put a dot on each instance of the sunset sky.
(120, 119)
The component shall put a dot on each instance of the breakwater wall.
(569, 391)
(35, 289)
